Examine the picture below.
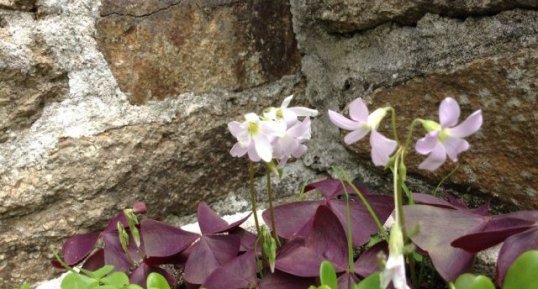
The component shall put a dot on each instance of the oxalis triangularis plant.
(337, 242)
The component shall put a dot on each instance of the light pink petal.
(454, 146)
(303, 111)
(252, 154)
(290, 117)
(356, 135)
(358, 110)
(301, 129)
(382, 148)
(436, 158)
(426, 144)
(235, 128)
(449, 112)
(287, 145)
(342, 121)
(271, 129)
(286, 101)
(468, 126)
(263, 148)
(238, 150)
(301, 149)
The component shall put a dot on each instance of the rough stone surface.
(157, 49)
(77, 150)
(29, 76)
(486, 62)
(23, 5)
(344, 16)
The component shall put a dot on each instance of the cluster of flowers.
(277, 134)
(444, 138)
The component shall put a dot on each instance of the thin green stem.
(410, 133)
(444, 179)
(253, 197)
(370, 210)
(67, 267)
(349, 230)
(393, 120)
(271, 211)
(398, 200)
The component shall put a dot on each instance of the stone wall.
(107, 102)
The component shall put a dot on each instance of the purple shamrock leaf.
(78, 247)
(163, 240)
(236, 274)
(302, 257)
(211, 223)
(209, 253)
(139, 276)
(303, 212)
(281, 280)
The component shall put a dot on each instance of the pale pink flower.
(395, 267)
(288, 114)
(360, 124)
(291, 143)
(254, 136)
(446, 138)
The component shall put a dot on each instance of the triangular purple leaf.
(438, 227)
(140, 275)
(95, 260)
(512, 248)
(326, 241)
(78, 247)
(347, 280)
(281, 280)
(211, 223)
(496, 230)
(113, 224)
(363, 225)
(302, 214)
(425, 199)
(368, 261)
(330, 188)
(248, 239)
(162, 240)
(237, 274)
(113, 252)
(209, 253)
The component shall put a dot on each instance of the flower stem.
(410, 133)
(349, 231)
(444, 179)
(370, 210)
(393, 120)
(271, 211)
(253, 197)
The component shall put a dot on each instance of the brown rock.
(502, 160)
(24, 5)
(158, 49)
(352, 15)
(24, 92)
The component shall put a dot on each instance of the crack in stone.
(458, 16)
(143, 15)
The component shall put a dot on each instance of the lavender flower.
(360, 124)
(446, 138)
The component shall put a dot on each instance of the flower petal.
(301, 130)
(252, 154)
(468, 126)
(454, 146)
(449, 112)
(358, 110)
(238, 150)
(342, 121)
(426, 144)
(286, 101)
(436, 158)
(303, 111)
(235, 128)
(382, 148)
(252, 117)
(356, 135)
(301, 149)
(263, 148)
